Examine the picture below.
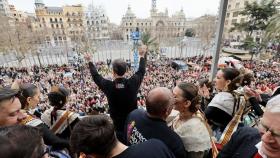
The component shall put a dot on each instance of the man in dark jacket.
(122, 92)
(248, 142)
(145, 125)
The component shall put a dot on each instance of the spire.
(182, 9)
(154, 5)
(166, 11)
(39, 3)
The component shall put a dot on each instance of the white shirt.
(259, 147)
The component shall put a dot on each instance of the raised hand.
(143, 50)
(88, 57)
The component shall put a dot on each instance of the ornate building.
(97, 23)
(232, 16)
(18, 16)
(159, 24)
(75, 28)
(4, 8)
(234, 7)
(60, 24)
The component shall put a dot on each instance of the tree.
(4, 33)
(205, 31)
(18, 38)
(258, 15)
(190, 32)
(150, 42)
(273, 28)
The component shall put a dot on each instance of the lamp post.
(218, 39)
(135, 36)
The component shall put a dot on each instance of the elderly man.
(253, 143)
(10, 106)
(144, 125)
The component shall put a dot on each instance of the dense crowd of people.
(159, 109)
(85, 93)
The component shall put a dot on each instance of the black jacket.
(140, 127)
(51, 139)
(242, 144)
(121, 93)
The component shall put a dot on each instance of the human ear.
(187, 104)
(28, 100)
(82, 155)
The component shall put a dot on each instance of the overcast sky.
(115, 9)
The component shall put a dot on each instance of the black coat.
(121, 93)
(242, 144)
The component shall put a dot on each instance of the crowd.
(163, 111)
(84, 93)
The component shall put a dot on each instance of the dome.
(129, 12)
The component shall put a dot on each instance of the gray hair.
(273, 105)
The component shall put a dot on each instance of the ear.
(168, 111)
(187, 104)
(228, 82)
(28, 100)
(82, 155)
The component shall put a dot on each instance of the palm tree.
(272, 32)
(150, 42)
(273, 28)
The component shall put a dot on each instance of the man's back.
(150, 149)
(121, 93)
(140, 127)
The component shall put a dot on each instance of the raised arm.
(139, 75)
(97, 78)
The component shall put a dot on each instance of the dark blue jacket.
(242, 144)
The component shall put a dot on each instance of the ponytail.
(57, 98)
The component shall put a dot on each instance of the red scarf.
(257, 155)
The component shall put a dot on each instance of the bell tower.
(154, 7)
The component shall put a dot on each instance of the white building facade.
(97, 23)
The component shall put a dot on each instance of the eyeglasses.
(264, 129)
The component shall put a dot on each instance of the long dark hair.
(25, 91)
(57, 98)
(237, 79)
